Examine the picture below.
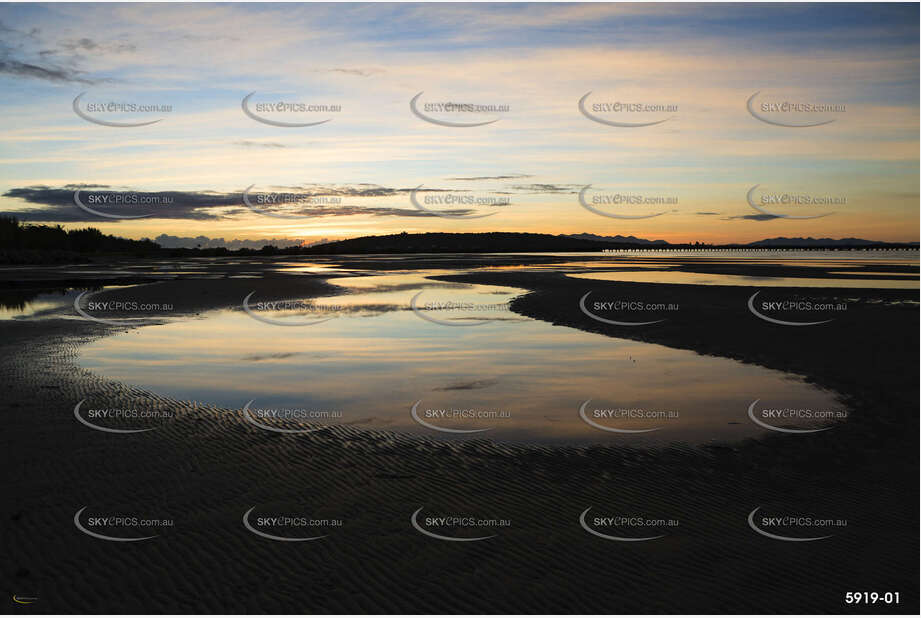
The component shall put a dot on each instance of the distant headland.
(43, 244)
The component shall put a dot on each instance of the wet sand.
(206, 466)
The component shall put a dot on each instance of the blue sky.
(536, 59)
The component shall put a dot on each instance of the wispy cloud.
(469, 386)
(252, 144)
(90, 45)
(537, 58)
(358, 72)
(58, 204)
(11, 66)
(506, 177)
(17, 61)
(753, 217)
(539, 188)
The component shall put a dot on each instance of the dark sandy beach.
(485, 308)
(207, 466)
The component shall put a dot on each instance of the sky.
(708, 153)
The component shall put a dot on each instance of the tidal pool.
(403, 352)
(691, 278)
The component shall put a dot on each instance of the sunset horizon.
(565, 108)
(502, 309)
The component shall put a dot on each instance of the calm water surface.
(904, 282)
(465, 362)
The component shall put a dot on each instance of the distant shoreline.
(18, 258)
(207, 466)
(39, 244)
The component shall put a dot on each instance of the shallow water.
(689, 278)
(465, 361)
(15, 305)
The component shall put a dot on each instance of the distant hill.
(514, 242)
(42, 244)
(618, 239)
(439, 242)
(820, 242)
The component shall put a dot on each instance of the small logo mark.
(751, 415)
(591, 208)
(80, 204)
(286, 539)
(444, 123)
(416, 418)
(751, 307)
(751, 202)
(777, 537)
(87, 316)
(253, 315)
(609, 537)
(606, 321)
(116, 539)
(440, 537)
(751, 110)
(275, 123)
(611, 123)
(249, 417)
(106, 123)
(249, 204)
(413, 305)
(418, 206)
(98, 428)
(612, 429)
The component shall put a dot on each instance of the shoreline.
(206, 468)
(721, 313)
